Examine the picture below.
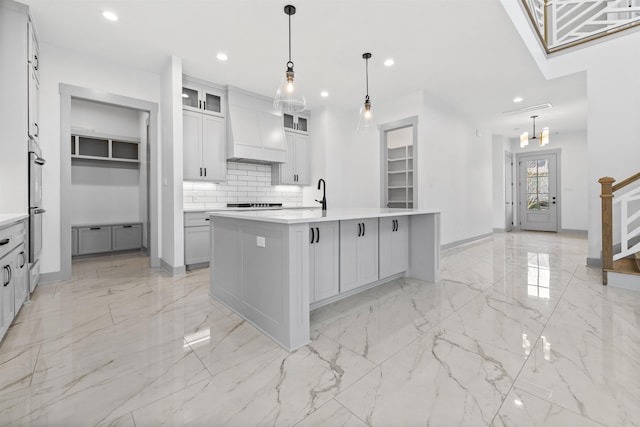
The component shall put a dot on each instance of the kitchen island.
(273, 267)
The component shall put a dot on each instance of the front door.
(538, 197)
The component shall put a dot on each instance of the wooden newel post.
(606, 194)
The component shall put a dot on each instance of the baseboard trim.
(197, 266)
(574, 231)
(173, 271)
(465, 241)
(53, 277)
(343, 295)
(594, 262)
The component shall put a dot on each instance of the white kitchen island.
(273, 267)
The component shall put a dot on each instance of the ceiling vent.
(530, 108)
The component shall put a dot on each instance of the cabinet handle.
(199, 104)
(37, 129)
(127, 226)
(359, 229)
(317, 234)
(200, 171)
(205, 171)
(4, 241)
(312, 235)
(37, 64)
(393, 228)
(207, 219)
(7, 268)
(94, 228)
(364, 230)
(204, 105)
(24, 259)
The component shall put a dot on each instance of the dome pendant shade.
(365, 118)
(288, 99)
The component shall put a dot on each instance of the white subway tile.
(232, 165)
(247, 178)
(236, 172)
(246, 167)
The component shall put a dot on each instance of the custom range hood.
(255, 132)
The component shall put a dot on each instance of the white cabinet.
(296, 170)
(394, 245)
(34, 82)
(204, 147)
(106, 238)
(297, 122)
(324, 260)
(13, 273)
(21, 277)
(358, 253)
(92, 240)
(196, 240)
(202, 99)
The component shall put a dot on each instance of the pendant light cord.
(289, 38)
(367, 72)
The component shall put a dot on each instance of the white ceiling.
(465, 52)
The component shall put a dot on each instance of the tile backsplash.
(245, 183)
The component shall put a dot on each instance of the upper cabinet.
(203, 99)
(296, 170)
(298, 122)
(204, 131)
(33, 58)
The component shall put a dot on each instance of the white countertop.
(296, 216)
(9, 219)
(264, 208)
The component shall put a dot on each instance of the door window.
(538, 185)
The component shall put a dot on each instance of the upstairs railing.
(565, 23)
(629, 221)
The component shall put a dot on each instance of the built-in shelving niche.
(400, 177)
(105, 148)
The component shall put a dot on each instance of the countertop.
(297, 216)
(9, 219)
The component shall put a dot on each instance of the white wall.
(573, 176)
(64, 66)
(104, 192)
(144, 187)
(172, 248)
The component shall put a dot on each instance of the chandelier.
(543, 138)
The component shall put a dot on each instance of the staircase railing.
(628, 216)
(561, 24)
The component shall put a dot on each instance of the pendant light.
(365, 120)
(287, 99)
(544, 135)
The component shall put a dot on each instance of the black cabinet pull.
(127, 226)
(207, 219)
(9, 274)
(37, 65)
(24, 259)
(313, 237)
(199, 104)
(364, 230)
(204, 104)
(37, 129)
(359, 229)
(317, 234)
(94, 228)
(205, 171)
(4, 241)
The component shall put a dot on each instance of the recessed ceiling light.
(324, 94)
(389, 62)
(222, 56)
(110, 16)
(517, 99)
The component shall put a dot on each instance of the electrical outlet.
(261, 242)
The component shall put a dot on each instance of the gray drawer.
(93, 240)
(196, 219)
(127, 237)
(11, 237)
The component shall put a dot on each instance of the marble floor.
(517, 333)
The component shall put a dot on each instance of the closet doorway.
(109, 174)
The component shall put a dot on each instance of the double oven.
(36, 162)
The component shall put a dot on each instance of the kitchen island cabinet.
(267, 268)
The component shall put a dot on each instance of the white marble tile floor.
(517, 333)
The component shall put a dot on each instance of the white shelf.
(104, 148)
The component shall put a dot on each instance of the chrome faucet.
(323, 202)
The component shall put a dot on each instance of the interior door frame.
(508, 176)
(521, 185)
(68, 92)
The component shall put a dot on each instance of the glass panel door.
(212, 103)
(189, 97)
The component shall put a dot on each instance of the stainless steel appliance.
(255, 205)
(36, 162)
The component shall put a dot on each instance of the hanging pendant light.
(544, 135)
(287, 98)
(365, 120)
